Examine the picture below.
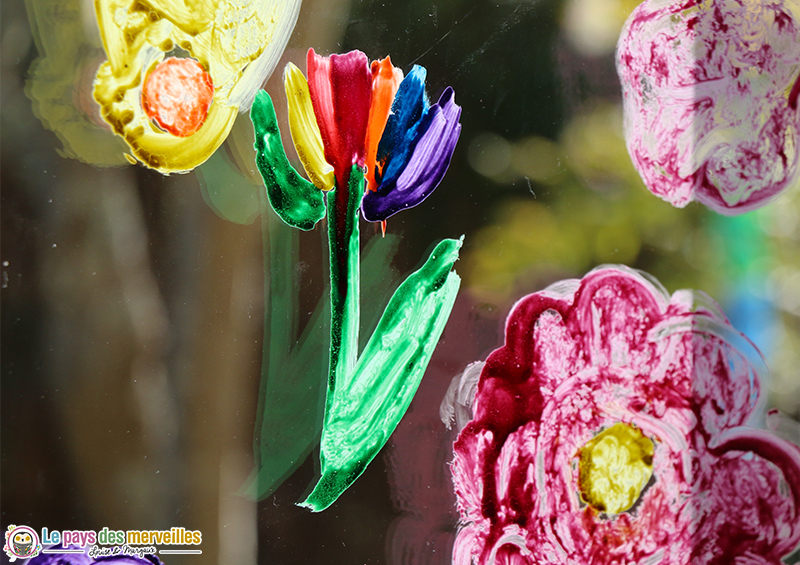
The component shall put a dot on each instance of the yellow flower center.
(614, 468)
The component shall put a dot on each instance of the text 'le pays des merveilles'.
(173, 536)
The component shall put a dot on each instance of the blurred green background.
(132, 310)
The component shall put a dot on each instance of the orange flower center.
(177, 95)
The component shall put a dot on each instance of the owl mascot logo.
(21, 542)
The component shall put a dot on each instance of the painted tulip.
(372, 144)
(710, 100)
(350, 113)
(615, 426)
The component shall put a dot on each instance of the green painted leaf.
(296, 201)
(368, 404)
(294, 366)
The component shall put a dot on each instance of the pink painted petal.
(702, 358)
(467, 470)
(514, 361)
(614, 311)
(468, 544)
(725, 388)
(555, 353)
(704, 86)
(758, 486)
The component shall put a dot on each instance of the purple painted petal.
(427, 166)
(61, 558)
(128, 560)
(84, 559)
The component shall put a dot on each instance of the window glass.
(140, 309)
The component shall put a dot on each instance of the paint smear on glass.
(60, 80)
(295, 364)
(178, 73)
(710, 97)
(616, 425)
(229, 193)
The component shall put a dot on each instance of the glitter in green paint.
(294, 365)
(294, 199)
(343, 243)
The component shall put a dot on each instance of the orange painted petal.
(385, 81)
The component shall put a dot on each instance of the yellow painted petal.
(305, 131)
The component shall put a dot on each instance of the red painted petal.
(319, 86)
(351, 80)
(341, 93)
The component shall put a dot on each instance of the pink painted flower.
(614, 427)
(710, 98)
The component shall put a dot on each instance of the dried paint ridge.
(371, 145)
(710, 100)
(614, 426)
(178, 72)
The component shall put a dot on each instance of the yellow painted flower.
(178, 72)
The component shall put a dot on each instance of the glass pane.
(140, 311)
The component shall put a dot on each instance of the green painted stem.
(294, 368)
(343, 244)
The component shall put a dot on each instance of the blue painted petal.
(402, 133)
(426, 167)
